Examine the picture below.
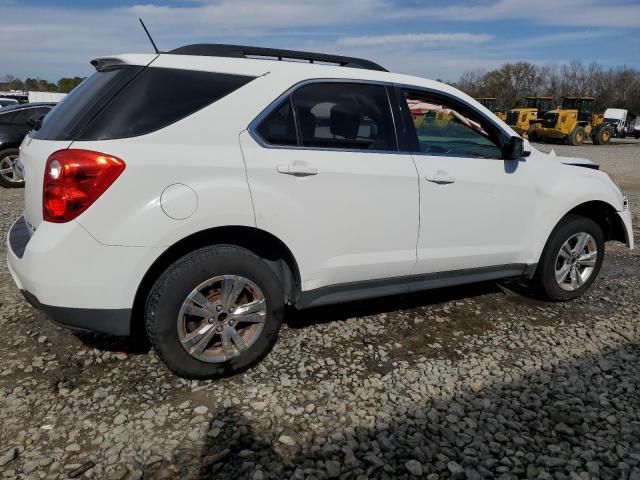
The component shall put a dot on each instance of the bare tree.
(616, 87)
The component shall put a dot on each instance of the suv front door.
(476, 209)
(327, 179)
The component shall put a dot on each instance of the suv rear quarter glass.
(129, 101)
(158, 97)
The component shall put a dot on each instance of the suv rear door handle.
(297, 170)
(441, 178)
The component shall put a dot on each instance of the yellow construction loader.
(492, 104)
(524, 118)
(572, 123)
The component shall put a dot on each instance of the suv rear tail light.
(74, 179)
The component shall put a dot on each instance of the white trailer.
(45, 96)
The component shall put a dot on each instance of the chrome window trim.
(288, 94)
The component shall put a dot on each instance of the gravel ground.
(473, 382)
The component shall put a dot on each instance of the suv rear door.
(327, 178)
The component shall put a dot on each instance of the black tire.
(532, 134)
(6, 182)
(577, 136)
(545, 278)
(182, 277)
(602, 135)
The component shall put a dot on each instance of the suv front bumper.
(77, 281)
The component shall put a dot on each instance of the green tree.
(66, 84)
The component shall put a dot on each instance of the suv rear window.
(130, 101)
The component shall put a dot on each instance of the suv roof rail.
(242, 51)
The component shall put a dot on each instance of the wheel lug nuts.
(219, 308)
(232, 322)
(219, 328)
(211, 320)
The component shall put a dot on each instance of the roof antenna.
(149, 35)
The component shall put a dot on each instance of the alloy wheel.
(221, 318)
(8, 169)
(576, 261)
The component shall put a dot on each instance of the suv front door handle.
(297, 170)
(441, 178)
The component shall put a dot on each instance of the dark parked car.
(15, 122)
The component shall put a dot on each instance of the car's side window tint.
(446, 129)
(349, 116)
(278, 127)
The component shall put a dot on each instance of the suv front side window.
(444, 128)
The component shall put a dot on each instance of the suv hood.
(578, 162)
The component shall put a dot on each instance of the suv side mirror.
(517, 148)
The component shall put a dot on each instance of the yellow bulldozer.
(572, 123)
(524, 118)
(492, 104)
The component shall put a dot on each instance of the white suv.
(195, 193)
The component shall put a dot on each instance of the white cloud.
(416, 39)
(56, 41)
(576, 13)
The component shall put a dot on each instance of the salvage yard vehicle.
(573, 122)
(616, 118)
(198, 192)
(523, 119)
(492, 104)
(633, 127)
(5, 102)
(15, 121)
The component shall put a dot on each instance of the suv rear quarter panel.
(200, 151)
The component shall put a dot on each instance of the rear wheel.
(577, 136)
(214, 312)
(8, 175)
(571, 259)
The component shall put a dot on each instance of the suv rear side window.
(278, 128)
(158, 97)
(345, 116)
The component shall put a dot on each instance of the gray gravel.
(474, 382)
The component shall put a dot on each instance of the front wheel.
(9, 177)
(577, 136)
(214, 312)
(571, 258)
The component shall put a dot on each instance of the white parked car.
(5, 102)
(198, 192)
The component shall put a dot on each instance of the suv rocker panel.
(354, 291)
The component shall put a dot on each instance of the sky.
(437, 39)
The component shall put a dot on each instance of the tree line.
(617, 87)
(64, 85)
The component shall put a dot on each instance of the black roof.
(243, 51)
